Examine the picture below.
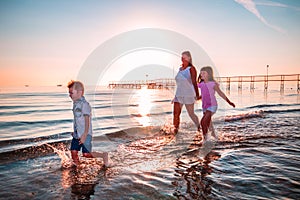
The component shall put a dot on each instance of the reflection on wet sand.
(83, 179)
(192, 171)
(82, 191)
(140, 157)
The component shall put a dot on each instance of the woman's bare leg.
(193, 116)
(176, 115)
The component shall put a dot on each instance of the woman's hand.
(172, 101)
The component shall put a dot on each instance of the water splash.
(155, 140)
(254, 114)
(167, 128)
(64, 154)
(85, 173)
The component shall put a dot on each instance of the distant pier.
(240, 80)
(150, 84)
(265, 79)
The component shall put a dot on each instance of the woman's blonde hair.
(188, 53)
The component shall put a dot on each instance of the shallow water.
(256, 156)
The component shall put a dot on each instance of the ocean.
(256, 156)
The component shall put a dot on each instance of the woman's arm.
(194, 81)
(219, 91)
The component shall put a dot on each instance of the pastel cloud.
(276, 4)
(251, 6)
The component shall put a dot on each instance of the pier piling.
(240, 80)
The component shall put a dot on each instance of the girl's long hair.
(210, 72)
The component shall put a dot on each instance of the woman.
(187, 91)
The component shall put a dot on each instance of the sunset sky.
(47, 42)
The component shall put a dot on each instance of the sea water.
(256, 155)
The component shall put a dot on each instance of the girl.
(186, 92)
(208, 87)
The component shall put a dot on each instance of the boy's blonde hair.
(76, 85)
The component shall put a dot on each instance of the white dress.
(185, 92)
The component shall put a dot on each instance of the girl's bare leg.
(212, 129)
(205, 123)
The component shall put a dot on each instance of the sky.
(48, 42)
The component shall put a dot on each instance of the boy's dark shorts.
(86, 146)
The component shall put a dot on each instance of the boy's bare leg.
(103, 155)
(88, 155)
(75, 157)
(105, 159)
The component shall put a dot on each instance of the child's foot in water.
(106, 159)
(204, 139)
(175, 130)
(74, 165)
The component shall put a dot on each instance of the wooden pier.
(150, 84)
(240, 80)
(265, 79)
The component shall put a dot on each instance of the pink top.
(208, 94)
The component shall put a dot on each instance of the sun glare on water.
(144, 104)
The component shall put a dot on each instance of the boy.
(82, 135)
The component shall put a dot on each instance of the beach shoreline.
(257, 151)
